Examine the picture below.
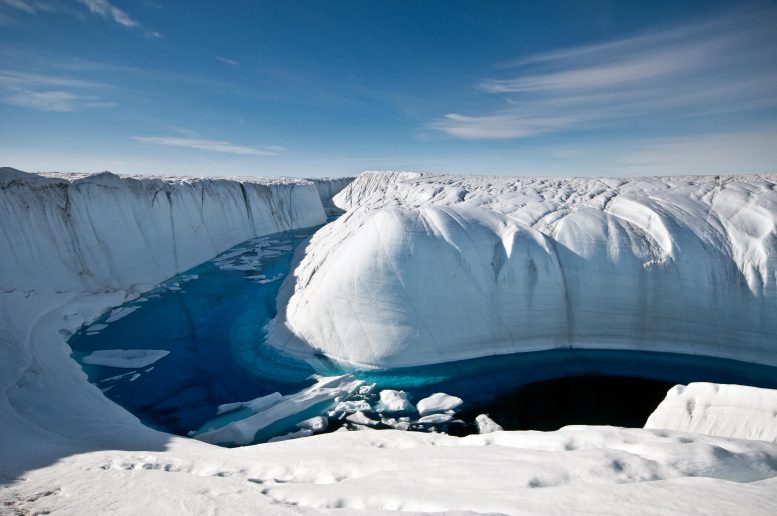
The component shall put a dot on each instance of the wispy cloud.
(230, 62)
(61, 101)
(210, 145)
(727, 63)
(49, 92)
(109, 11)
(101, 8)
(30, 6)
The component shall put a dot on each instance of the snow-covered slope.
(427, 269)
(723, 410)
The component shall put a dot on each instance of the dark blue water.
(211, 319)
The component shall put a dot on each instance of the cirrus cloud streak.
(210, 145)
(722, 64)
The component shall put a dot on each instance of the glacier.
(73, 247)
(425, 269)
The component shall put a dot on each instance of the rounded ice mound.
(675, 265)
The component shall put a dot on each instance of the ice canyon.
(277, 309)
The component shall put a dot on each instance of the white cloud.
(61, 101)
(725, 64)
(49, 92)
(29, 6)
(107, 10)
(210, 145)
(230, 62)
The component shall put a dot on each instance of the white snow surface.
(125, 358)
(722, 410)
(66, 449)
(426, 269)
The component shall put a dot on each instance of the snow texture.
(671, 264)
(722, 410)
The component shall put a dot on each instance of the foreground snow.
(598, 470)
(680, 264)
(66, 449)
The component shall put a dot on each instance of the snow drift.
(428, 269)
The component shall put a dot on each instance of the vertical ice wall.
(425, 269)
(105, 232)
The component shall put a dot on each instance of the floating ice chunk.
(314, 424)
(351, 406)
(304, 432)
(263, 402)
(438, 402)
(325, 390)
(134, 377)
(256, 404)
(96, 328)
(125, 358)
(392, 402)
(366, 389)
(359, 418)
(434, 419)
(486, 425)
(118, 377)
(120, 312)
(229, 407)
(270, 280)
(402, 423)
(230, 255)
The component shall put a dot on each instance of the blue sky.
(313, 88)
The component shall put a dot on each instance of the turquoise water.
(211, 320)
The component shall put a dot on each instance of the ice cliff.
(434, 268)
(105, 232)
(722, 410)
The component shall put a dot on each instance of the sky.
(316, 88)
